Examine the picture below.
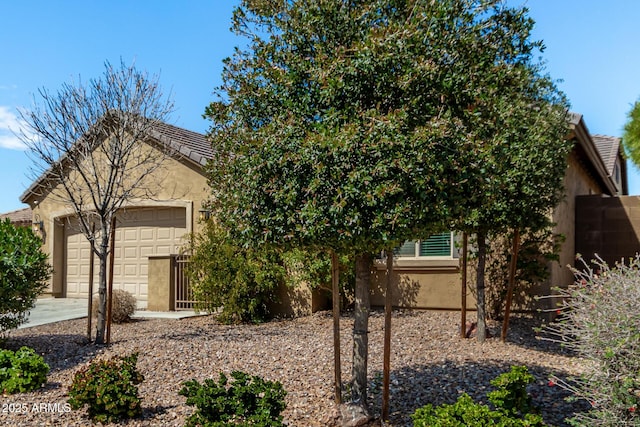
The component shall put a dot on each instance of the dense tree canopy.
(357, 125)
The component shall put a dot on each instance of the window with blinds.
(437, 245)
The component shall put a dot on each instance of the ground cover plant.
(432, 364)
(109, 388)
(512, 404)
(21, 371)
(245, 401)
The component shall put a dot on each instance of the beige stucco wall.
(577, 181)
(161, 295)
(425, 284)
(301, 300)
(177, 183)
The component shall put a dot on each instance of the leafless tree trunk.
(361, 330)
(86, 143)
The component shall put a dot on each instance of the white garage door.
(139, 234)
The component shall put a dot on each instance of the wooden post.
(512, 279)
(110, 287)
(90, 302)
(335, 282)
(463, 308)
(386, 369)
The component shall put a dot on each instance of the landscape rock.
(430, 363)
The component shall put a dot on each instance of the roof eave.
(586, 142)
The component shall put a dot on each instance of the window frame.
(453, 253)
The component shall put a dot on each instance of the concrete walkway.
(50, 310)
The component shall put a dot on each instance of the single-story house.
(426, 273)
(145, 228)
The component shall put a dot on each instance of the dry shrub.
(599, 319)
(123, 306)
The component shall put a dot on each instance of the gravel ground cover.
(429, 363)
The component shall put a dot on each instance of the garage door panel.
(131, 235)
(130, 270)
(145, 251)
(163, 250)
(139, 234)
(146, 234)
(132, 287)
(131, 253)
(164, 234)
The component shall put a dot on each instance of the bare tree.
(86, 142)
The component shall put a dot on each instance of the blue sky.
(591, 45)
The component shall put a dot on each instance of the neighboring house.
(144, 228)
(20, 218)
(427, 273)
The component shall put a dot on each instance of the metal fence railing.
(184, 294)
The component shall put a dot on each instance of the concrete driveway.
(50, 310)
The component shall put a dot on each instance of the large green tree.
(521, 154)
(352, 125)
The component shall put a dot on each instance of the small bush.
(123, 306)
(600, 322)
(248, 400)
(24, 273)
(511, 401)
(109, 388)
(22, 371)
(241, 281)
(511, 394)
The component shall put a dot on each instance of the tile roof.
(608, 147)
(185, 143)
(191, 144)
(18, 216)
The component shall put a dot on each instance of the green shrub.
(511, 394)
(247, 401)
(511, 401)
(109, 388)
(239, 281)
(123, 306)
(600, 321)
(22, 371)
(24, 273)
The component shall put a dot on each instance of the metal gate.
(184, 295)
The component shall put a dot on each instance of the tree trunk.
(513, 266)
(463, 290)
(335, 286)
(480, 303)
(102, 287)
(386, 362)
(360, 331)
